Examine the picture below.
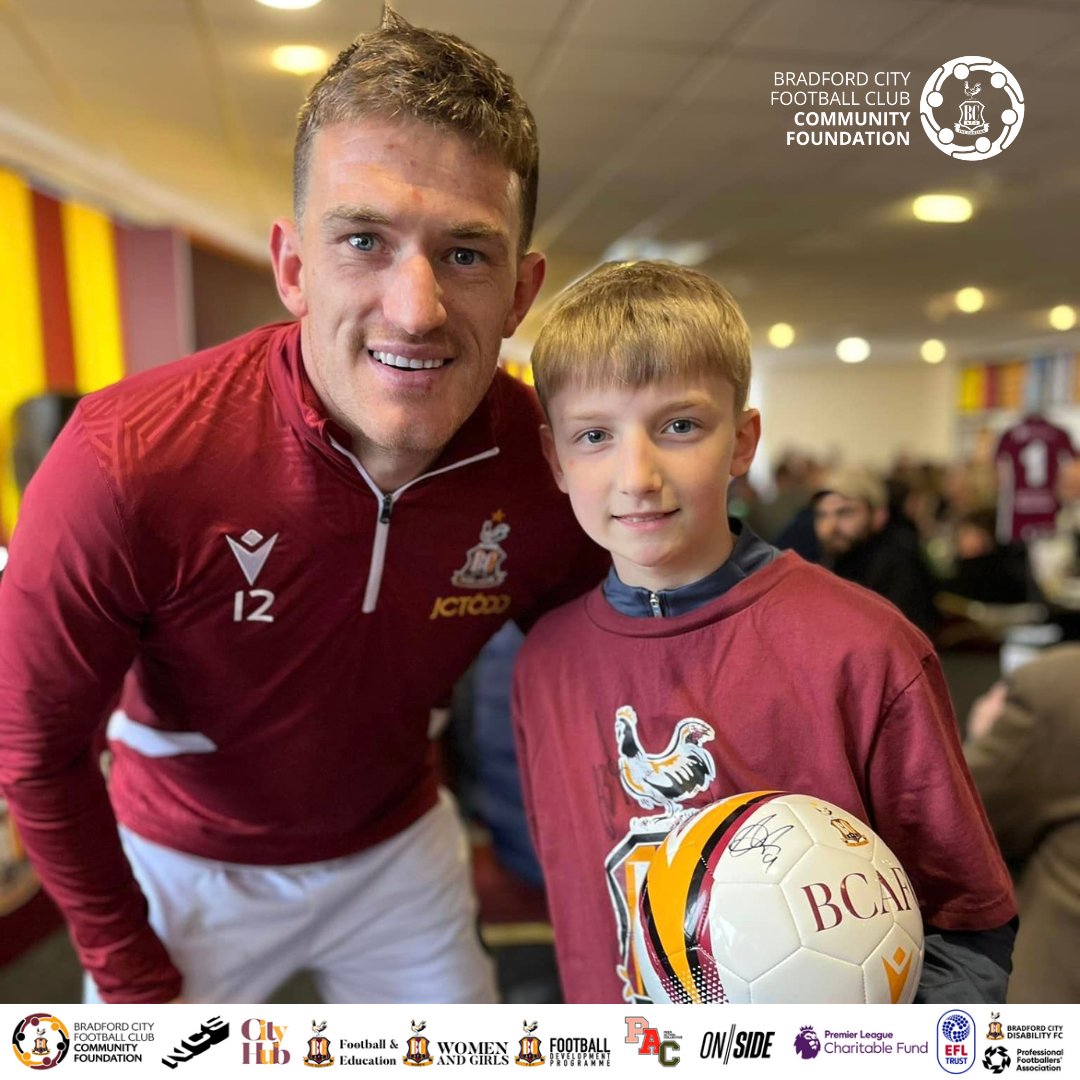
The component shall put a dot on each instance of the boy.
(797, 680)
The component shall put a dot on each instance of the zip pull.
(387, 506)
(654, 603)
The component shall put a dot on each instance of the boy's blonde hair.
(636, 323)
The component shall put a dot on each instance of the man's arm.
(71, 610)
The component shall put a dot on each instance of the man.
(859, 542)
(297, 542)
(1023, 750)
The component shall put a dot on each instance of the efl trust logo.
(972, 108)
(40, 1040)
(649, 1041)
(956, 1041)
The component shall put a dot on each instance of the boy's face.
(647, 472)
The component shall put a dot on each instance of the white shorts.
(395, 923)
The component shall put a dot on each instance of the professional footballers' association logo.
(956, 1041)
(483, 561)
(996, 1059)
(972, 108)
(529, 1047)
(418, 1050)
(318, 1055)
(40, 1040)
(807, 1043)
(995, 1034)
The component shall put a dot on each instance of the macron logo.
(251, 552)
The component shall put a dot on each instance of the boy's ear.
(547, 442)
(747, 436)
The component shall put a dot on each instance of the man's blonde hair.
(404, 72)
(637, 323)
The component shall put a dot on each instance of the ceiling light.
(1063, 317)
(853, 350)
(970, 300)
(932, 351)
(299, 59)
(939, 208)
(781, 335)
(289, 5)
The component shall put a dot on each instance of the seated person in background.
(860, 542)
(797, 680)
(986, 570)
(1024, 753)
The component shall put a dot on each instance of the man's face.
(406, 276)
(842, 523)
(647, 472)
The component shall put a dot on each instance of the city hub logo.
(956, 1041)
(40, 1041)
(262, 1044)
(648, 1041)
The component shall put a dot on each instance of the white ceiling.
(655, 121)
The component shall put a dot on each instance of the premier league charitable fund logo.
(972, 108)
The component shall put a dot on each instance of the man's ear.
(547, 442)
(747, 437)
(288, 266)
(530, 276)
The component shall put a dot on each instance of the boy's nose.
(412, 300)
(638, 470)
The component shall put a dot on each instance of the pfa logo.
(972, 108)
(956, 1041)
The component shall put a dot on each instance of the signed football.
(774, 897)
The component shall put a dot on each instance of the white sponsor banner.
(792, 1041)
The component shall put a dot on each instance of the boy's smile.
(647, 469)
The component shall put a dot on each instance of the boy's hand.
(986, 710)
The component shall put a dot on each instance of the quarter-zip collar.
(749, 554)
(306, 414)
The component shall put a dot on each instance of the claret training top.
(281, 628)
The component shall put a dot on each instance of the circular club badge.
(40, 1040)
(972, 108)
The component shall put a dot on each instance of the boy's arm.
(927, 810)
(971, 966)
(70, 617)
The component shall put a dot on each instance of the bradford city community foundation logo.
(40, 1040)
(972, 108)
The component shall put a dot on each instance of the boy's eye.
(465, 256)
(682, 426)
(362, 241)
(593, 437)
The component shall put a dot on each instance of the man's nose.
(413, 298)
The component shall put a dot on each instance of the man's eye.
(465, 256)
(362, 241)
